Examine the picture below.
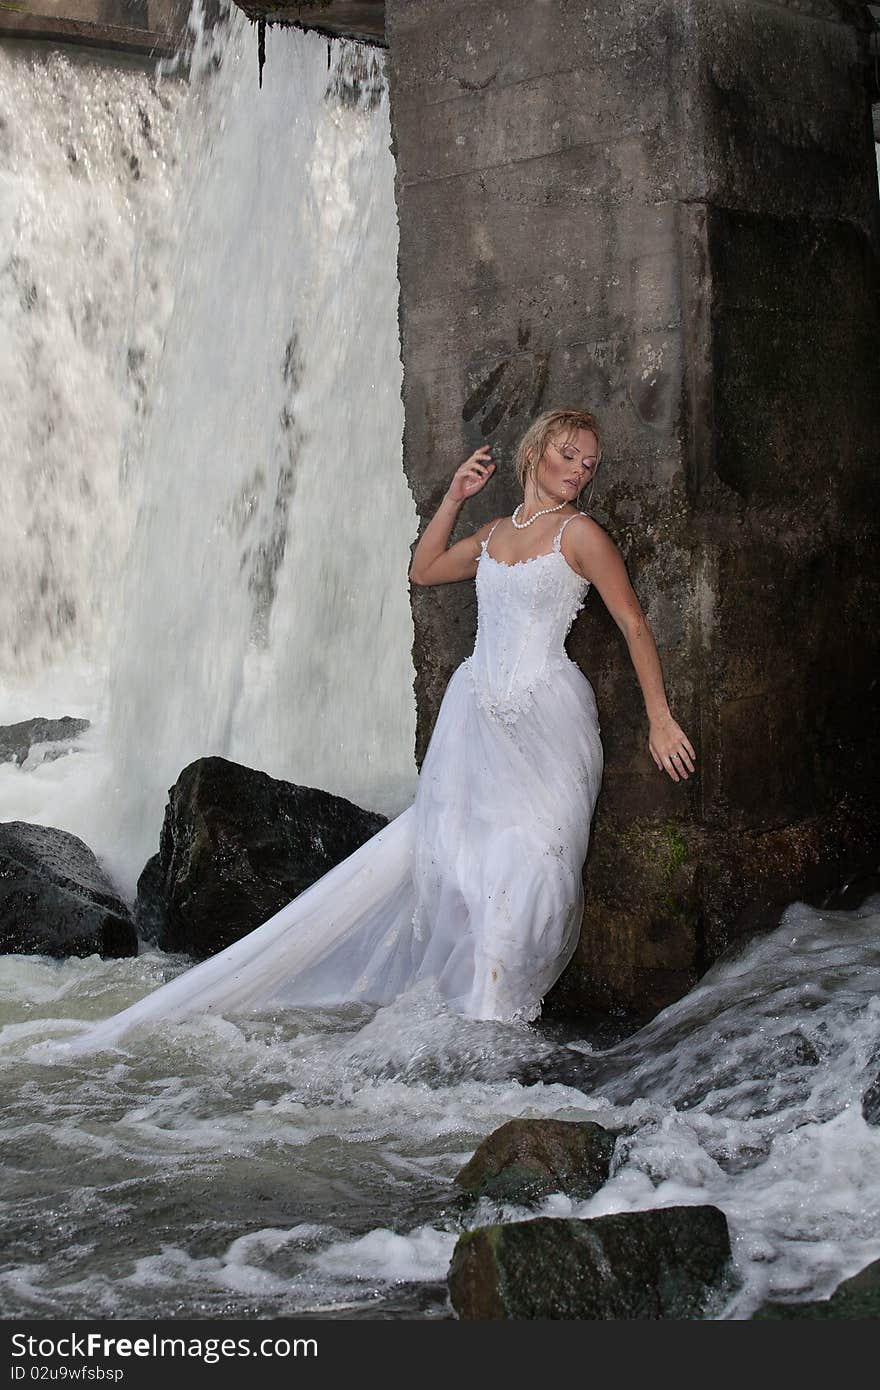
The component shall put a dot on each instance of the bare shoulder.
(588, 526)
(587, 535)
(590, 548)
(482, 532)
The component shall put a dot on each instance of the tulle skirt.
(476, 886)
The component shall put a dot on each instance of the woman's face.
(567, 465)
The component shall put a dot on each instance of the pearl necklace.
(521, 525)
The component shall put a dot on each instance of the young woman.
(477, 887)
(556, 458)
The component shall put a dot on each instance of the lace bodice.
(524, 613)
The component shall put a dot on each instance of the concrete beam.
(152, 28)
(352, 19)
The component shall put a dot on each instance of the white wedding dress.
(477, 886)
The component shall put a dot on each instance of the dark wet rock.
(236, 845)
(871, 1103)
(669, 1263)
(600, 1028)
(16, 740)
(858, 1297)
(563, 1066)
(795, 1050)
(55, 899)
(850, 896)
(525, 1160)
(592, 1032)
(150, 908)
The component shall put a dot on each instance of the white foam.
(421, 1254)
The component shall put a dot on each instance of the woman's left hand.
(671, 748)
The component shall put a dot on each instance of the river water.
(303, 1162)
(184, 292)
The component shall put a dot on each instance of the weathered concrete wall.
(668, 214)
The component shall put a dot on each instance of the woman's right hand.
(473, 474)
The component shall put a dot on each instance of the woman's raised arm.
(432, 562)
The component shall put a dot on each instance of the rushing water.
(206, 529)
(303, 1162)
(186, 377)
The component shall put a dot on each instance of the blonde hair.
(544, 429)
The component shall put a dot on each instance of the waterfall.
(208, 524)
(205, 540)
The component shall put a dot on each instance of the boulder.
(525, 1160)
(858, 1298)
(236, 845)
(16, 740)
(670, 1263)
(150, 908)
(55, 899)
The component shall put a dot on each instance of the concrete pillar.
(668, 214)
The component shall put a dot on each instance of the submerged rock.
(55, 899)
(525, 1160)
(16, 740)
(871, 1103)
(669, 1263)
(858, 1297)
(236, 845)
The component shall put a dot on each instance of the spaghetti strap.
(487, 539)
(557, 539)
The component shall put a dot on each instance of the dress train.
(477, 885)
